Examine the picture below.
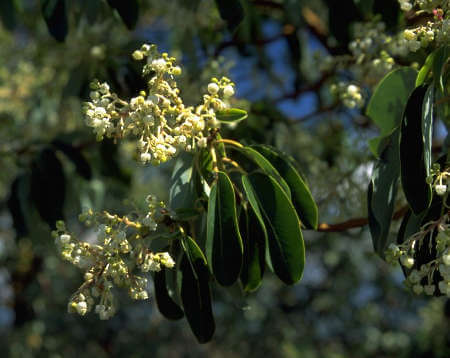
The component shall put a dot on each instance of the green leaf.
(254, 238)
(48, 186)
(165, 303)
(301, 196)
(258, 159)
(55, 16)
(440, 59)
(127, 10)
(183, 190)
(387, 102)
(231, 11)
(382, 192)
(285, 240)
(427, 128)
(414, 170)
(231, 115)
(425, 69)
(196, 293)
(223, 242)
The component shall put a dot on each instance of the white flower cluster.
(422, 279)
(121, 247)
(435, 32)
(162, 124)
(349, 94)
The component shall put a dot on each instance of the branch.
(356, 222)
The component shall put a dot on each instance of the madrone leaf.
(382, 192)
(254, 238)
(223, 243)
(386, 105)
(196, 293)
(415, 159)
(285, 240)
(166, 305)
(301, 196)
(231, 115)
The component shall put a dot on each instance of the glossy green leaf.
(441, 57)
(231, 115)
(55, 16)
(285, 240)
(301, 196)
(382, 192)
(195, 292)
(231, 11)
(254, 238)
(387, 102)
(258, 159)
(127, 10)
(223, 241)
(414, 170)
(166, 305)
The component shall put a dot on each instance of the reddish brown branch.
(356, 222)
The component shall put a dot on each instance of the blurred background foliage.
(349, 303)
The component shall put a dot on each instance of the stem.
(231, 142)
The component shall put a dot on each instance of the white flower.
(159, 65)
(213, 88)
(441, 189)
(81, 308)
(446, 259)
(407, 261)
(228, 91)
(138, 55)
(64, 239)
(145, 157)
(409, 35)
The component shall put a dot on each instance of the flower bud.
(213, 88)
(228, 91)
(440, 189)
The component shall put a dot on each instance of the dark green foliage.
(254, 237)
(8, 13)
(55, 16)
(17, 204)
(232, 12)
(440, 58)
(285, 240)
(128, 11)
(224, 242)
(75, 155)
(414, 167)
(48, 186)
(196, 293)
(166, 305)
(301, 196)
(382, 193)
